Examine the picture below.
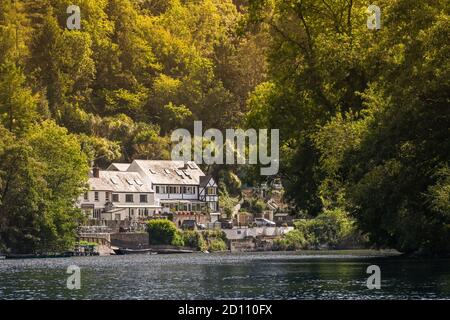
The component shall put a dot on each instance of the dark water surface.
(265, 275)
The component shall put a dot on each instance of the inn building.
(145, 188)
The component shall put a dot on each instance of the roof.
(168, 172)
(116, 181)
(116, 166)
(204, 180)
(272, 204)
(281, 214)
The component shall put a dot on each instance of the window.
(97, 213)
(192, 166)
(86, 196)
(211, 191)
(187, 174)
(163, 189)
(115, 197)
(157, 189)
(96, 196)
(179, 173)
(213, 206)
(107, 196)
(143, 198)
(189, 190)
(129, 198)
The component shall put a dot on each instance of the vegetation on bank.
(164, 232)
(330, 229)
(42, 171)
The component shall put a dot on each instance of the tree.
(388, 161)
(316, 56)
(21, 195)
(162, 231)
(41, 176)
(18, 105)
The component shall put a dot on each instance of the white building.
(117, 195)
(146, 187)
(178, 185)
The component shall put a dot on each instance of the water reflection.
(324, 275)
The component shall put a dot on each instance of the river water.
(265, 275)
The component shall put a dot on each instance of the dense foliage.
(363, 115)
(114, 90)
(42, 172)
(329, 229)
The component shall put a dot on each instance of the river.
(264, 275)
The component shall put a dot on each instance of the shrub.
(293, 240)
(215, 233)
(217, 245)
(254, 205)
(194, 239)
(330, 227)
(178, 240)
(162, 231)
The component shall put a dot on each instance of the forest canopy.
(363, 114)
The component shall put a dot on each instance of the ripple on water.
(268, 275)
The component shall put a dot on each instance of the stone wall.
(239, 245)
(131, 240)
(251, 244)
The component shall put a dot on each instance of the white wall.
(102, 199)
(241, 233)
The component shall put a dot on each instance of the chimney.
(96, 172)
